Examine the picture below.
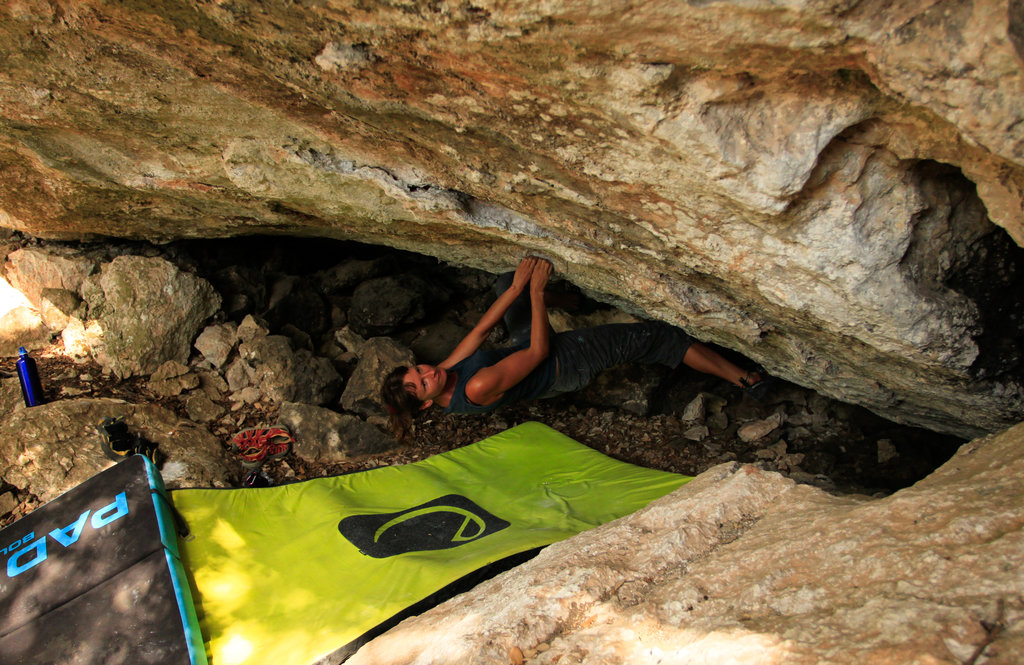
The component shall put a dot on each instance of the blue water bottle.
(28, 374)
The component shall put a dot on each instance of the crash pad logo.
(28, 551)
(443, 523)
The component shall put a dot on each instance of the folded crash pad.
(94, 577)
(291, 574)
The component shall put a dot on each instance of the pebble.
(698, 433)
(7, 503)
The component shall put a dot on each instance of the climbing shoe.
(757, 389)
(256, 445)
(117, 443)
(115, 439)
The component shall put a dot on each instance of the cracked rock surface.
(833, 189)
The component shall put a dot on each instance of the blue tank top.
(533, 386)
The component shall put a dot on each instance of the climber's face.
(425, 382)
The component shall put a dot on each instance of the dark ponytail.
(401, 404)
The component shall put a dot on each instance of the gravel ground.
(807, 437)
(820, 441)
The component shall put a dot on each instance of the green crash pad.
(291, 574)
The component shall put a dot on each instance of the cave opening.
(678, 420)
(956, 246)
(308, 289)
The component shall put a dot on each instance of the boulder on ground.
(435, 342)
(20, 323)
(47, 450)
(346, 275)
(383, 305)
(33, 269)
(57, 306)
(285, 374)
(216, 343)
(377, 357)
(22, 327)
(325, 436)
(149, 312)
(743, 566)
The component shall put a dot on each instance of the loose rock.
(760, 428)
(217, 342)
(148, 311)
(376, 358)
(322, 435)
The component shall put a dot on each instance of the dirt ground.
(842, 454)
(820, 441)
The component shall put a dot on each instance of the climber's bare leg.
(703, 359)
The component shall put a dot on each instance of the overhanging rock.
(833, 189)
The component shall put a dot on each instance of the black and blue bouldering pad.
(95, 576)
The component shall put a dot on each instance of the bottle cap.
(22, 351)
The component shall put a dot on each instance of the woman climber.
(538, 363)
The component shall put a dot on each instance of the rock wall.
(743, 566)
(831, 187)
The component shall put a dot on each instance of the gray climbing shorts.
(583, 354)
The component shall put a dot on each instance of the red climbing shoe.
(259, 444)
